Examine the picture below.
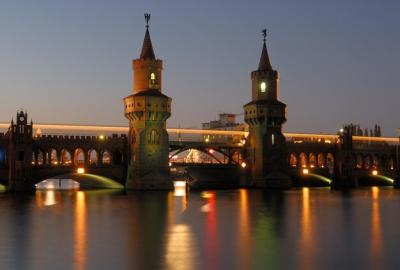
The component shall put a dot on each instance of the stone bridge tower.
(20, 153)
(265, 115)
(148, 110)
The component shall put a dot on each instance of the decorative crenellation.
(48, 137)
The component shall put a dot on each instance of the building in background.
(226, 121)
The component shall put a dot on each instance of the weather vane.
(264, 33)
(147, 18)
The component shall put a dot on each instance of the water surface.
(234, 229)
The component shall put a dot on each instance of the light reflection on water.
(235, 229)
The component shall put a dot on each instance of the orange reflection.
(181, 250)
(244, 236)
(376, 230)
(80, 231)
(306, 241)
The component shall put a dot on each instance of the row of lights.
(307, 171)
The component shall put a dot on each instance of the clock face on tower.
(21, 119)
(263, 87)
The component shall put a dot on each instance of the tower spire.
(147, 48)
(264, 64)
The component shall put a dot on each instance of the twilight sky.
(70, 61)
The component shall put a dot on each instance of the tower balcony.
(148, 105)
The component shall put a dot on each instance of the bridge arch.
(52, 156)
(375, 162)
(391, 164)
(86, 181)
(303, 160)
(321, 160)
(79, 157)
(93, 157)
(367, 162)
(65, 157)
(38, 157)
(312, 161)
(106, 157)
(359, 161)
(209, 151)
(293, 160)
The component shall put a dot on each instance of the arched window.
(293, 160)
(53, 156)
(153, 76)
(154, 137)
(312, 160)
(40, 158)
(79, 157)
(106, 160)
(303, 160)
(66, 158)
(321, 160)
(92, 157)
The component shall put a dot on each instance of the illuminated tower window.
(263, 87)
(152, 76)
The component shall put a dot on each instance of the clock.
(263, 87)
(21, 119)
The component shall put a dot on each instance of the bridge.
(104, 152)
(141, 155)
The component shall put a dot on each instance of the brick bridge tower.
(148, 110)
(20, 153)
(265, 115)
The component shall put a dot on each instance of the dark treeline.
(356, 130)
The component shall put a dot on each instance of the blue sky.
(70, 61)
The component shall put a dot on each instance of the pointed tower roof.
(147, 47)
(264, 64)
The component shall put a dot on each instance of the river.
(224, 229)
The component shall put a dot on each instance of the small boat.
(57, 184)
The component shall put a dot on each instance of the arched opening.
(321, 160)
(193, 155)
(293, 160)
(117, 157)
(359, 161)
(391, 164)
(330, 161)
(93, 157)
(66, 158)
(3, 158)
(53, 156)
(375, 162)
(79, 157)
(106, 158)
(33, 158)
(303, 160)
(312, 160)
(367, 162)
(40, 158)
